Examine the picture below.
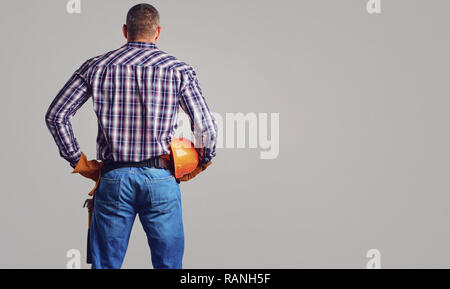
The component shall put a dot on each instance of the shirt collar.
(140, 44)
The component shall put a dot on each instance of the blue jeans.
(155, 196)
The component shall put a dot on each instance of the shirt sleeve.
(203, 124)
(65, 105)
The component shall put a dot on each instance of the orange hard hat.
(184, 156)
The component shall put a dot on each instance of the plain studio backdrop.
(364, 129)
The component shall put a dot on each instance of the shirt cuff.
(75, 162)
(208, 155)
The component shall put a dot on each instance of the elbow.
(52, 119)
(49, 118)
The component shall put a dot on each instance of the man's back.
(136, 90)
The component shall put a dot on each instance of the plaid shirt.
(136, 91)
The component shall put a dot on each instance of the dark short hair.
(142, 21)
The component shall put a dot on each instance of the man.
(136, 91)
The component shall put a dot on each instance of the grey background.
(364, 131)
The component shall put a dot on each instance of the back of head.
(142, 22)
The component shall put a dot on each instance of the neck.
(142, 40)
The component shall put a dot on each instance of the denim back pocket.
(164, 190)
(106, 208)
(108, 192)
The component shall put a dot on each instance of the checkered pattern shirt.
(136, 91)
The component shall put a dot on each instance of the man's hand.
(88, 169)
(200, 168)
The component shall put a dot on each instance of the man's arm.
(203, 123)
(71, 97)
